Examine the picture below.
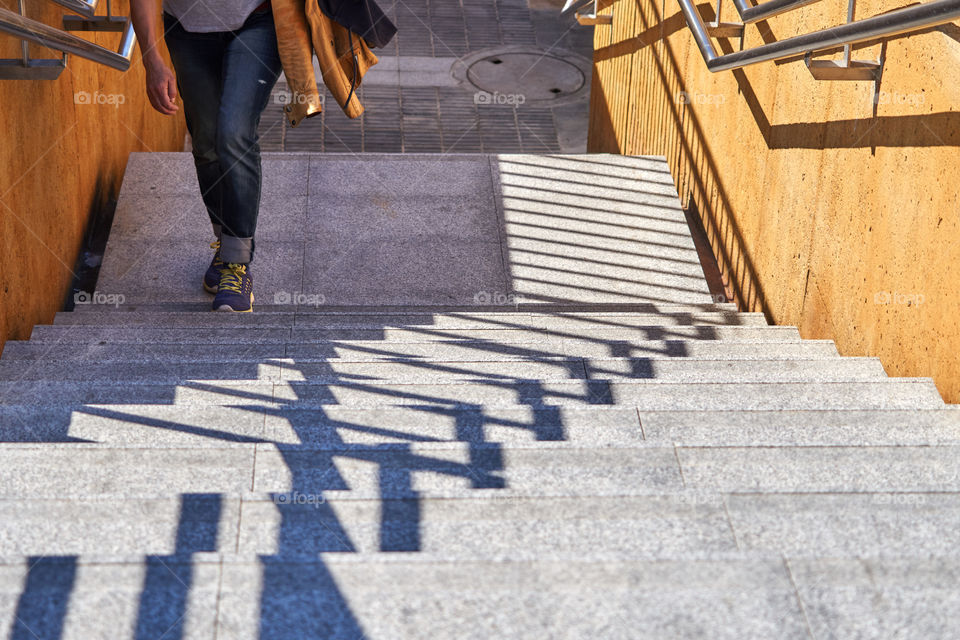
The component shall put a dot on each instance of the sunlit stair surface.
(482, 397)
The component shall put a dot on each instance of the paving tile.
(336, 598)
(38, 473)
(803, 525)
(821, 469)
(797, 428)
(285, 175)
(111, 525)
(401, 217)
(70, 597)
(461, 471)
(388, 178)
(428, 270)
(530, 526)
(336, 426)
(879, 598)
(133, 425)
(160, 174)
(144, 270)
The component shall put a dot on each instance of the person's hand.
(162, 88)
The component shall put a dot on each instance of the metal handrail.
(887, 24)
(84, 7)
(767, 9)
(53, 38)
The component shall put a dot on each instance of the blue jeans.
(225, 79)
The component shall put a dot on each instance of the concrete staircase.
(610, 455)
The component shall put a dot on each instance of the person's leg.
(251, 66)
(198, 62)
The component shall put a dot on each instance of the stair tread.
(803, 525)
(140, 426)
(386, 336)
(665, 369)
(468, 470)
(522, 306)
(881, 393)
(448, 351)
(452, 321)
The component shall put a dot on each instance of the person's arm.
(161, 82)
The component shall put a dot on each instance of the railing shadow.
(307, 531)
(309, 435)
(302, 599)
(42, 606)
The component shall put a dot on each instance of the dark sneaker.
(211, 279)
(235, 289)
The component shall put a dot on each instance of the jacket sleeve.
(332, 44)
(294, 43)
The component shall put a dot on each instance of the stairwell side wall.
(827, 204)
(64, 150)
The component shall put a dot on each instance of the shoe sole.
(226, 307)
(210, 289)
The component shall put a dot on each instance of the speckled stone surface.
(516, 413)
(402, 229)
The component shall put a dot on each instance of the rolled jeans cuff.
(236, 250)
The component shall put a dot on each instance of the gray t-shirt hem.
(207, 16)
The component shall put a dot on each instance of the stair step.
(815, 427)
(821, 469)
(213, 426)
(345, 596)
(801, 525)
(463, 320)
(476, 470)
(871, 524)
(520, 306)
(333, 426)
(354, 472)
(414, 595)
(664, 369)
(900, 393)
(468, 527)
(448, 351)
(144, 335)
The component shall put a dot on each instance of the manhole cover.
(521, 75)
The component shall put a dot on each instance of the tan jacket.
(302, 29)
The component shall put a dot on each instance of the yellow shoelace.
(231, 277)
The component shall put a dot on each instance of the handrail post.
(905, 20)
(53, 38)
(848, 48)
(699, 31)
(27, 68)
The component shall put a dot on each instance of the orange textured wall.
(61, 161)
(828, 205)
